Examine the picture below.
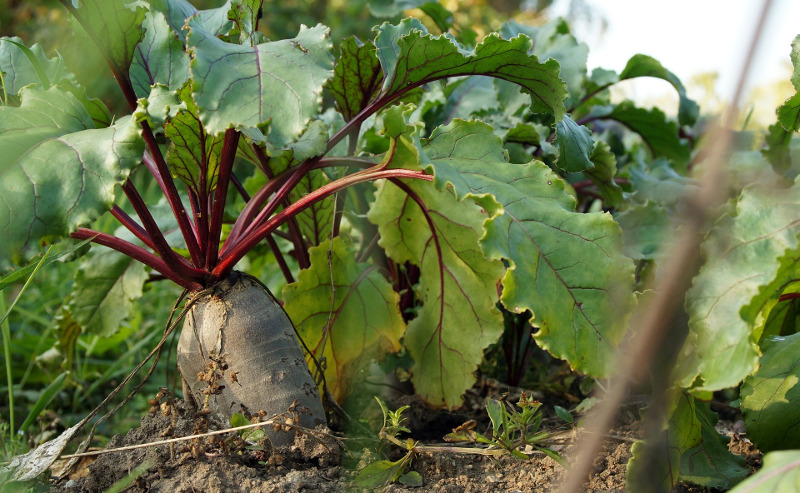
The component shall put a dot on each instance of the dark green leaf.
(710, 463)
(770, 396)
(659, 134)
(603, 173)
(659, 469)
(357, 77)
(193, 155)
(776, 150)
(244, 14)
(565, 267)
(645, 66)
(789, 113)
(575, 146)
(242, 86)
(58, 172)
(564, 414)
(411, 57)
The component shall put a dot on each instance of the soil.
(320, 461)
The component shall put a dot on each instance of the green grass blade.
(47, 396)
(6, 331)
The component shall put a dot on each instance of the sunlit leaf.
(410, 56)
(745, 258)
(365, 318)
(565, 267)
(770, 396)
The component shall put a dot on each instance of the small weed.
(512, 430)
(382, 472)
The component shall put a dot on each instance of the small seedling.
(382, 472)
(511, 429)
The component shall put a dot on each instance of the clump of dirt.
(318, 462)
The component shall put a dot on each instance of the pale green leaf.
(744, 256)
(365, 319)
(106, 283)
(411, 57)
(20, 70)
(242, 86)
(116, 28)
(780, 473)
(159, 58)
(56, 171)
(644, 229)
(795, 56)
(565, 267)
(770, 396)
(457, 286)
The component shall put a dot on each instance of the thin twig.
(651, 319)
(173, 440)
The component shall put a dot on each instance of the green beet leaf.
(193, 155)
(644, 229)
(59, 172)
(115, 27)
(566, 267)
(357, 77)
(747, 258)
(645, 66)
(553, 40)
(364, 315)
(105, 285)
(603, 172)
(789, 113)
(770, 396)
(682, 432)
(159, 58)
(242, 86)
(575, 146)
(411, 57)
(659, 134)
(457, 287)
(795, 56)
(780, 472)
(710, 463)
(21, 67)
